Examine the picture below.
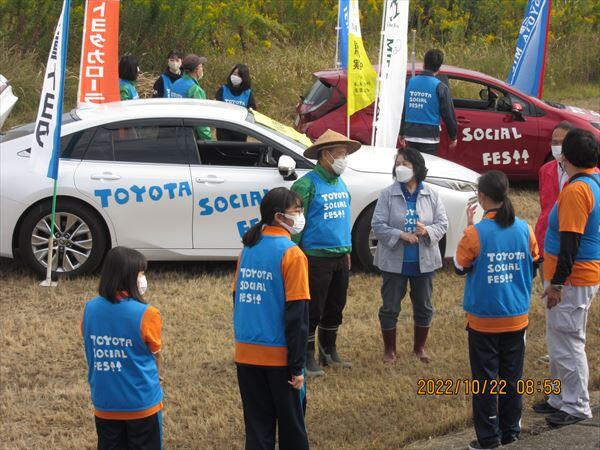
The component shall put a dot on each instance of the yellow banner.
(281, 128)
(362, 78)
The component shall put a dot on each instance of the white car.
(7, 99)
(136, 174)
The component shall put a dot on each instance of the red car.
(499, 127)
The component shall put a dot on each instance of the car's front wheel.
(365, 241)
(79, 238)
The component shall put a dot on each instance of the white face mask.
(298, 226)
(142, 284)
(174, 66)
(556, 151)
(403, 174)
(338, 165)
(235, 80)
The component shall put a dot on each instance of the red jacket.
(549, 190)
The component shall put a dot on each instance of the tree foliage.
(153, 27)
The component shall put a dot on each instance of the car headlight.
(455, 185)
(596, 125)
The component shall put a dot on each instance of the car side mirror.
(517, 112)
(287, 167)
(484, 94)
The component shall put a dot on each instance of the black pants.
(497, 356)
(423, 147)
(138, 434)
(393, 291)
(270, 403)
(328, 282)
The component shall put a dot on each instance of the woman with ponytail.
(500, 256)
(270, 322)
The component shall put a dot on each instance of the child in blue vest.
(164, 84)
(122, 339)
(270, 322)
(237, 90)
(500, 256)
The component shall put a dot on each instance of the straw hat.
(191, 61)
(330, 139)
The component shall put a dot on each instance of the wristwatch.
(557, 287)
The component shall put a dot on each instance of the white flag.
(392, 73)
(45, 148)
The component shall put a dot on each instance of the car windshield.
(287, 133)
(24, 130)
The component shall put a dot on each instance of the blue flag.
(527, 72)
(45, 148)
(343, 17)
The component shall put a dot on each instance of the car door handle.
(463, 120)
(211, 179)
(105, 176)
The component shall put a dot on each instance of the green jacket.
(195, 91)
(306, 190)
(127, 90)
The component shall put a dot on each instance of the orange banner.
(99, 70)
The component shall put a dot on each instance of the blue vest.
(589, 245)
(499, 285)
(241, 99)
(122, 371)
(410, 263)
(168, 85)
(328, 221)
(181, 87)
(130, 88)
(258, 314)
(421, 102)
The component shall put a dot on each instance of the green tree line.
(150, 28)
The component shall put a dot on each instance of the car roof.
(161, 107)
(332, 76)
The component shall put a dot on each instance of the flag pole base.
(49, 283)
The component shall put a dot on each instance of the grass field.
(44, 395)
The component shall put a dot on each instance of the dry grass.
(44, 394)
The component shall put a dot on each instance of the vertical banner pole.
(413, 52)
(338, 63)
(376, 105)
(48, 281)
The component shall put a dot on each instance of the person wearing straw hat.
(327, 242)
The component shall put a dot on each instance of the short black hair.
(433, 60)
(120, 273)
(416, 159)
(277, 200)
(564, 125)
(175, 54)
(580, 148)
(244, 75)
(128, 68)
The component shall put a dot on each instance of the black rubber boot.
(328, 355)
(312, 367)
